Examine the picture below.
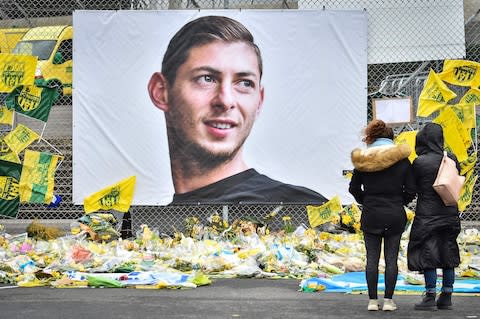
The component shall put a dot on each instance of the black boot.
(445, 300)
(428, 302)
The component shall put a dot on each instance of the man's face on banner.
(215, 99)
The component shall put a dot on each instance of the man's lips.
(221, 125)
(220, 128)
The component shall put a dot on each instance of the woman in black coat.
(433, 237)
(383, 183)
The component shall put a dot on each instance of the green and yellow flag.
(16, 70)
(456, 135)
(38, 175)
(32, 100)
(461, 72)
(467, 191)
(328, 212)
(20, 137)
(468, 164)
(6, 115)
(408, 137)
(471, 96)
(118, 197)
(9, 188)
(435, 95)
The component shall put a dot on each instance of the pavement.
(224, 298)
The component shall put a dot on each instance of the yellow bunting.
(457, 138)
(461, 72)
(467, 191)
(408, 137)
(434, 96)
(16, 70)
(118, 197)
(328, 212)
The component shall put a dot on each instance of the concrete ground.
(224, 298)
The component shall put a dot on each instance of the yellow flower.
(324, 236)
(410, 214)
(286, 218)
(356, 226)
(347, 219)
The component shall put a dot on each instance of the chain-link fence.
(385, 77)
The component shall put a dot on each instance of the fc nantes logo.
(434, 93)
(465, 73)
(9, 188)
(13, 73)
(111, 199)
(29, 98)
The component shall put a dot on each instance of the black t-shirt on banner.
(249, 187)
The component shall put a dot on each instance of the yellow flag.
(468, 164)
(37, 179)
(20, 137)
(6, 153)
(118, 197)
(466, 113)
(461, 72)
(435, 95)
(467, 191)
(10, 157)
(456, 135)
(471, 96)
(328, 212)
(408, 137)
(16, 70)
(6, 115)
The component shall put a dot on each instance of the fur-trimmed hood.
(378, 158)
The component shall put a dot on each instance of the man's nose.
(225, 97)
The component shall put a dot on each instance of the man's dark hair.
(202, 31)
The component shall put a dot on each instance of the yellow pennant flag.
(328, 212)
(6, 115)
(456, 135)
(10, 157)
(37, 179)
(466, 113)
(408, 137)
(6, 153)
(20, 137)
(461, 72)
(118, 197)
(471, 96)
(468, 164)
(16, 70)
(435, 95)
(467, 191)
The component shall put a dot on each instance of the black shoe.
(428, 302)
(444, 301)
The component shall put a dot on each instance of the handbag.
(448, 183)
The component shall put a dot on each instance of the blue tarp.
(356, 282)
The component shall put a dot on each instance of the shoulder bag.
(448, 183)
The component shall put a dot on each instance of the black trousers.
(373, 246)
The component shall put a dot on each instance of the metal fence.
(384, 79)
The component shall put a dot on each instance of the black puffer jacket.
(436, 226)
(383, 183)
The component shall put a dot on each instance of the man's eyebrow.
(207, 69)
(217, 72)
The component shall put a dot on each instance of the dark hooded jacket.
(383, 183)
(435, 227)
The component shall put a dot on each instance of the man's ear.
(157, 89)
(260, 104)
